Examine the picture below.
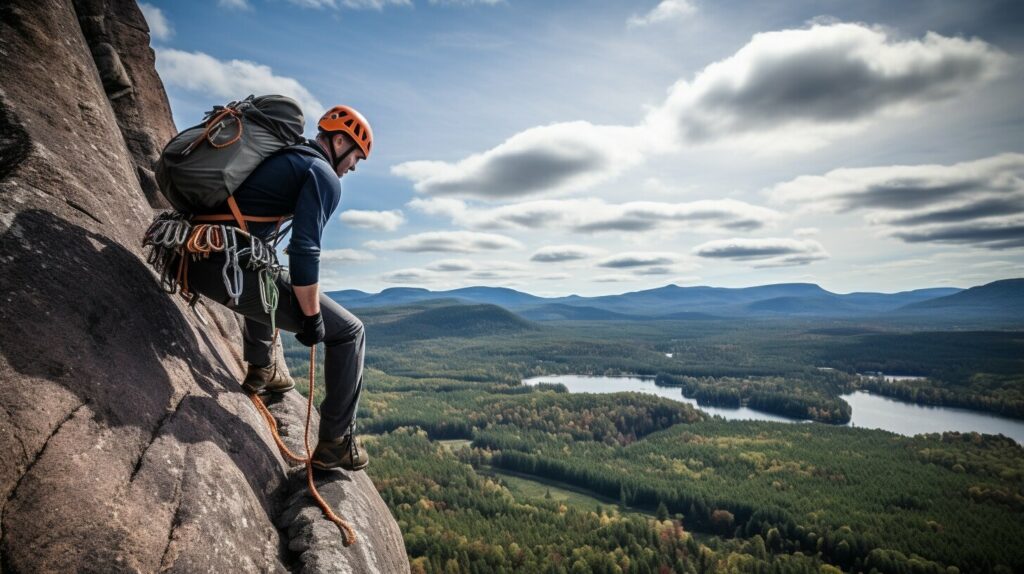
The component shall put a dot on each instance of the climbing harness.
(347, 532)
(178, 238)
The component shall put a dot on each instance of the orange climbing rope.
(346, 530)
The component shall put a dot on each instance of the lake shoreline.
(870, 410)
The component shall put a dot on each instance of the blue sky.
(608, 146)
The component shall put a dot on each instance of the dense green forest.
(853, 498)
(722, 496)
(791, 367)
(455, 519)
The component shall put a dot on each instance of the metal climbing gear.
(175, 239)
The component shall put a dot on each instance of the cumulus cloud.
(382, 220)
(614, 278)
(638, 259)
(559, 253)
(345, 255)
(657, 270)
(595, 215)
(978, 202)
(552, 159)
(450, 241)
(459, 270)
(764, 252)
(412, 275)
(665, 10)
(159, 27)
(800, 89)
(231, 79)
(234, 4)
(782, 91)
(553, 277)
(450, 265)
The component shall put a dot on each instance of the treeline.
(619, 418)
(804, 483)
(798, 399)
(832, 411)
(952, 357)
(999, 395)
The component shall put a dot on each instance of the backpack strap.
(237, 213)
(237, 217)
(305, 148)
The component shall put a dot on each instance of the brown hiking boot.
(346, 452)
(269, 379)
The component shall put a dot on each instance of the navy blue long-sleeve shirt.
(291, 182)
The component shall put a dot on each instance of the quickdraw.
(232, 271)
(173, 238)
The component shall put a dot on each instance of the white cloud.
(656, 270)
(614, 278)
(765, 251)
(638, 259)
(450, 241)
(159, 27)
(557, 158)
(790, 90)
(560, 253)
(455, 271)
(234, 4)
(345, 256)
(685, 279)
(382, 220)
(977, 202)
(468, 265)
(806, 232)
(596, 215)
(800, 89)
(554, 277)
(410, 276)
(450, 265)
(230, 80)
(665, 10)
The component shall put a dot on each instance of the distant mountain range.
(997, 300)
(443, 318)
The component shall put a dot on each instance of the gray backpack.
(202, 166)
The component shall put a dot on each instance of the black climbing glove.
(312, 330)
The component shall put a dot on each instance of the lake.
(869, 411)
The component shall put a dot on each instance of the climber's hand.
(312, 330)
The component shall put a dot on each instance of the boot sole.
(264, 390)
(321, 466)
(278, 391)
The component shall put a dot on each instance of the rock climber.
(306, 185)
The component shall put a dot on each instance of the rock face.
(126, 443)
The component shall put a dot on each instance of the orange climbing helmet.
(348, 120)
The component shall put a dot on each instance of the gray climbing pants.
(345, 341)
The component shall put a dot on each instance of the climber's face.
(342, 144)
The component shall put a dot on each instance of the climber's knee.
(353, 331)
